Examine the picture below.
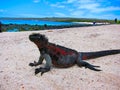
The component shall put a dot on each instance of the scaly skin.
(63, 57)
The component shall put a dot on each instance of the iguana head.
(39, 39)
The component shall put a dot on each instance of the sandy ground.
(16, 52)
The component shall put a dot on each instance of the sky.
(100, 9)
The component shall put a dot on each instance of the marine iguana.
(63, 57)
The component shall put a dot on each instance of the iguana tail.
(91, 55)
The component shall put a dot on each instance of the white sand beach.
(16, 52)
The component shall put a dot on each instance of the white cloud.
(36, 1)
(2, 10)
(97, 8)
(60, 14)
(77, 13)
(106, 9)
(29, 15)
(71, 1)
(89, 6)
(86, 8)
(92, 6)
(57, 5)
(78, 1)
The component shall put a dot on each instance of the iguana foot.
(42, 70)
(92, 67)
(33, 64)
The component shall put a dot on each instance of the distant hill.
(64, 19)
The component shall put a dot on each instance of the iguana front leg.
(47, 66)
(37, 63)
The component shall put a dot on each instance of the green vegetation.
(118, 22)
(21, 27)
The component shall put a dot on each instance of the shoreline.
(26, 27)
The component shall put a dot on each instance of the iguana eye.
(39, 37)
